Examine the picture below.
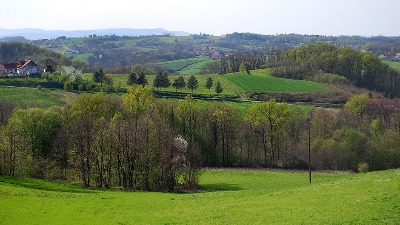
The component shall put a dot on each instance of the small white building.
(23, 68)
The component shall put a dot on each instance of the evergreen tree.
(132, 79)
(98, 76)
(218, 88)
(209, 83)
(179, 83)
(161, 80)
(192, 83)
(142, 80)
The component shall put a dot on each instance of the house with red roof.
(23, 68)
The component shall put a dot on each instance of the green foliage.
(218, 88)
(137, 100)
(375, 128)
(141, 69)
(356, 104)
(209, 83)
(179, 83)
(242, 68)
(362, 167)
(362, 68)
(192, 83)
(142, 80)
(272, 118)
(328, 78)
(132, 79)
(161, 80)
(99, 76)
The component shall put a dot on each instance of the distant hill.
(35, 34)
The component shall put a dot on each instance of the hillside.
(225, 197)
(114, 48)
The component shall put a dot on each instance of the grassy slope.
(227, 86)
(194, 68)
(260, 81)
(178, 64)
(30, 96)
(229, 197)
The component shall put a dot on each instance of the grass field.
(226, 197)
(394, 65)
(260, 81)
(179, 64)
(81, 57)
(31, 96)
(194, 68)
(227, 86)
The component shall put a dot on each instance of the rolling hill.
(224, 197)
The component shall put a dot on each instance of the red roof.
(10, 66)
(22, 64)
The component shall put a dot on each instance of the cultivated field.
(225, 197)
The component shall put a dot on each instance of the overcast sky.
(326, 17)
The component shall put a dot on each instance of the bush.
(68, 86)
(362, 167)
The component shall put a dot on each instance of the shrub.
(362, 167)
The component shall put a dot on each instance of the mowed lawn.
(226, 197)
(260, 81)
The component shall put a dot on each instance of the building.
(23, 68)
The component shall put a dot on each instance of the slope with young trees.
(363, 69)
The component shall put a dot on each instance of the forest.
(363, 69)
(138, 142)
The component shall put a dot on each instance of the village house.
(217, 55)
(23, 68)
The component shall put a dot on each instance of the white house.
(23, 68)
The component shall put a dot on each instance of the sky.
(217, 17)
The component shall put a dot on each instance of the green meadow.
(179, 64)
(31, 96)
(394, 65)
(224, 197)
(227, 86)
(259, 81)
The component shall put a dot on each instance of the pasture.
(260, 82)
(177, 65)
(31, 96)
(229, 89)
(224, 197)
(394, 65)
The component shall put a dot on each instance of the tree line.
(138, 142)
(361, 68)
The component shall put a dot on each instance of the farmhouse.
(23, 68)
(217, 55)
